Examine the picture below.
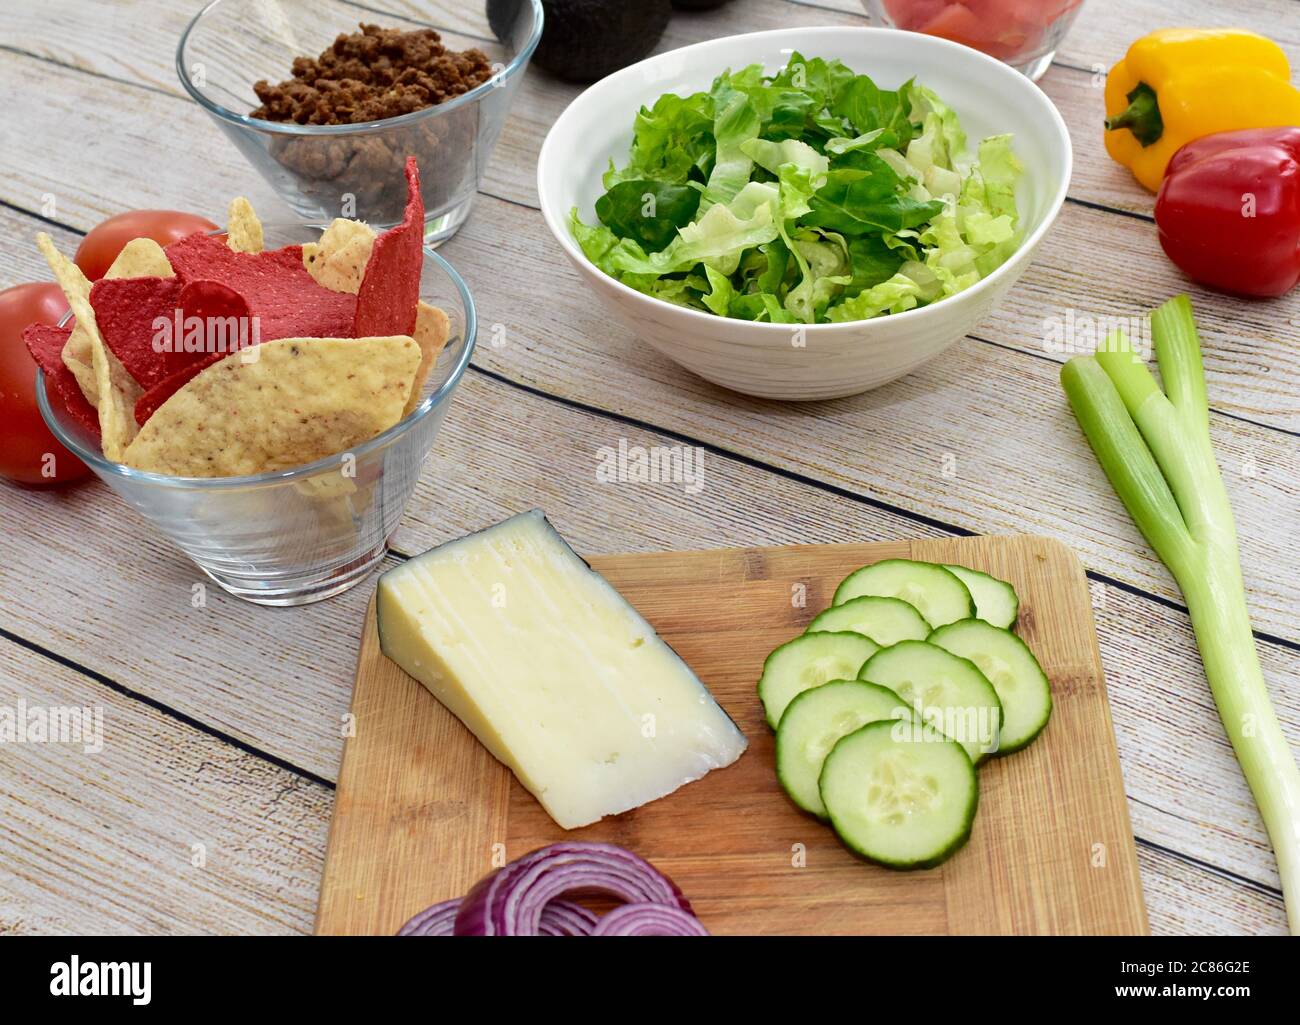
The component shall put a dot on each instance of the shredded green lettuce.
(808, 196)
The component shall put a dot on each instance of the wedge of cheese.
(557, 675)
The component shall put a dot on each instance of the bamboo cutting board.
(423, 811)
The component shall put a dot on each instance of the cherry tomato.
(25, 441)
(99, 249)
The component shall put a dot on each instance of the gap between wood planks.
(1205, 866)
(834, 489)
(162, 708)
(1044, 356)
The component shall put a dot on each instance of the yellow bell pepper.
(1178, 84)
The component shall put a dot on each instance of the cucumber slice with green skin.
(899, 794)
(806, 662)
(996, 601)
(945, 690)
(815, 721)
(929, 588)
(885, 620)
(1012, 669)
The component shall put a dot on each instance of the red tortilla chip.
(390, 289)
(209, 301)
(149, 324)
(126, 310)
(45, 343)
(149, 402)
(278, 289)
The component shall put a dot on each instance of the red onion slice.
(511, 900)
(649, 920)
(435, 921)
(565, 918)
(559, 918)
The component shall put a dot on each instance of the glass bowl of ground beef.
(327, 109)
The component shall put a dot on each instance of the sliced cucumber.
(884, 620)
(946, 690)
(809, 661)
(929, 588)
(996, 601)
(900, 794)
(812, 724)
(1012, 669)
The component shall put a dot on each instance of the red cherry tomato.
(25, 441)
(99, 249)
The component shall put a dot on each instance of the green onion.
(1155, 447)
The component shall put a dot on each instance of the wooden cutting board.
(423, 811)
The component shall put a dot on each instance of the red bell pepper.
(1229, 210)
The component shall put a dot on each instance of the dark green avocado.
(583, 40)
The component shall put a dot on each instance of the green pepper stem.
(1141, 117)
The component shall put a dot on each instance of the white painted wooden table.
(207, 809)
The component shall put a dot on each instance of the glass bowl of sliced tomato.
(1023, 33)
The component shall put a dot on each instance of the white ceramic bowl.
(824, 360)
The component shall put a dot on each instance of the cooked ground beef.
(370, 75)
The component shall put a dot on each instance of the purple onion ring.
(649, 920)
(559, 918)
(510, 901)
(565, 918)
(434, 921)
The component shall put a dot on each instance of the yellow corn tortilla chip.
(243, 229)
(431, 330)
(117, 391)
(338, 261)
(139, 258)
(300, 400)
(77, 358)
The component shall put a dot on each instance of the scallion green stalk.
(1154, 445)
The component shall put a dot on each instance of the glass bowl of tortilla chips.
(282, 465)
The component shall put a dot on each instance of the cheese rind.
(553, 671)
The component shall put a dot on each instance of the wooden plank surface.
(422, 809)
(77, 582)
(162, 829)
